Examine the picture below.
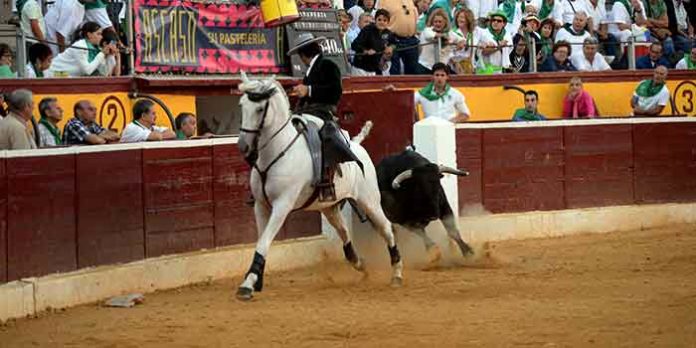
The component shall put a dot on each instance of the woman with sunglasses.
(6, 61)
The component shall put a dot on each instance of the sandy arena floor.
(630, 289)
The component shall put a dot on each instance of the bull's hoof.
(245, 294)
(434, 256)
(397, 282)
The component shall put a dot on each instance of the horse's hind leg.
(382, 224)
(268, 226)
(335, 218)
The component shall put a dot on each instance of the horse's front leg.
(268, 225)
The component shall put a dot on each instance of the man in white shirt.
(143, 126)
(497, 45)
(32, 21)
(651, 96)
(689, 61)
(565, 10)
(439, 99)
(574, 34)
(61, 22)
(590, 59)
(624, 13)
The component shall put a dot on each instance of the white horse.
(281, 179)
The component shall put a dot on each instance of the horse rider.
(319, 94)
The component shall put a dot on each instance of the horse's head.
(264, 104)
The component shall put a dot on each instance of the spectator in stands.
(684, 33)
(590, 60)
(578, 103)
(599, 28)
(363, 6)
(143, 127)
(83, 128)
(515, 11)
(546, 34)
(403, 24)
(530, 111)
(519, 57)
(3, 109)
(481, 10)
(83, 58)
(51, 113)
(186, 124)
(574, 34)
(653, 58)
(547, 9)
(658, 23)
(374, 47)
(40, 58)
(468, 35)
(496, 42)
(436, 36)
(559, 59)
(112, 63)
(6, 61)
(651, 96)
(439, 99)
(31, 20)
(422, 6)
(689, 60)
(345, 19)
(95, 11)
(15, 133)
(62, 20)
(625, 13)
(564, 11)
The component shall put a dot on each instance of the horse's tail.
(364, 132)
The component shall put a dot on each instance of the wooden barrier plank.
(598, 165)
(234, 220)
(665, 162)
(41, 226)
(301, 224)
(523, 169)
(3, 221)
(469, 157)
(178, 196)
(110, 226)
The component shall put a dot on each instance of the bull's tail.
(364, 132)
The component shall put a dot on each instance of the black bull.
(412, 195)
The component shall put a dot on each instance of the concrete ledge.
(33, 295)
(540, 224)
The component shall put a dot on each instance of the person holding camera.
(84, 57)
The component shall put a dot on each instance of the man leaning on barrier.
(143, 127)
(83, 128)
(651, 96)
(51, 113)
(15, 133)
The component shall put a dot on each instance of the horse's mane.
(264, 85)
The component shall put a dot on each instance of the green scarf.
(509, 9)
(690, 64)
(656, 10)
(52, 129)
(546, 9)
(546, 45)
(497, 37)
(180, 135)
(20, 5)
(428, 92)
(569, 28)
(92, 52)
(38, 72)
(647, 89)
(523, 114)
(95, 4)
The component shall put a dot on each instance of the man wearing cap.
(319, 94)
(497, 45)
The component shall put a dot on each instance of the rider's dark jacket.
(324, 82)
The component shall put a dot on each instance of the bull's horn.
(450, 170)
(405, 175)
(245, 79)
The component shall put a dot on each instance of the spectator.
(626, 13)
(481, 10)
(590, 60)
(364, 20)
(83, 128)
(62, 20)
(653, 58)
(566, 10)
(468, 36)
(439, 99)
(529, 112)
(186, 124)
(363, 6)
(31, 20)
(600, 30)
(84, 57)
(578, 103)
(656, 13)
(422, 6)
(143, 127)
(515, 10)
(95, 11)
(496, 44)
(574, 34)
(51, 113)
(40, 58)
(436, 35)
(345, 19)
(689, 61)
(112, 63)
(546, 37)
(403, 24)
(15, 133)
(651, 96)
(3, 109)
(684, 32)
(6, 61)
(546, 10)
(559, 59)
(519, 57)
(372, 47)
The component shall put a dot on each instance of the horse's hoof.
(359, 265)
(397, 282)
(245, 294)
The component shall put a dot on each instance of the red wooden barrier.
(41, 215)
(470, 158)
(3, 221)
(110, 224)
